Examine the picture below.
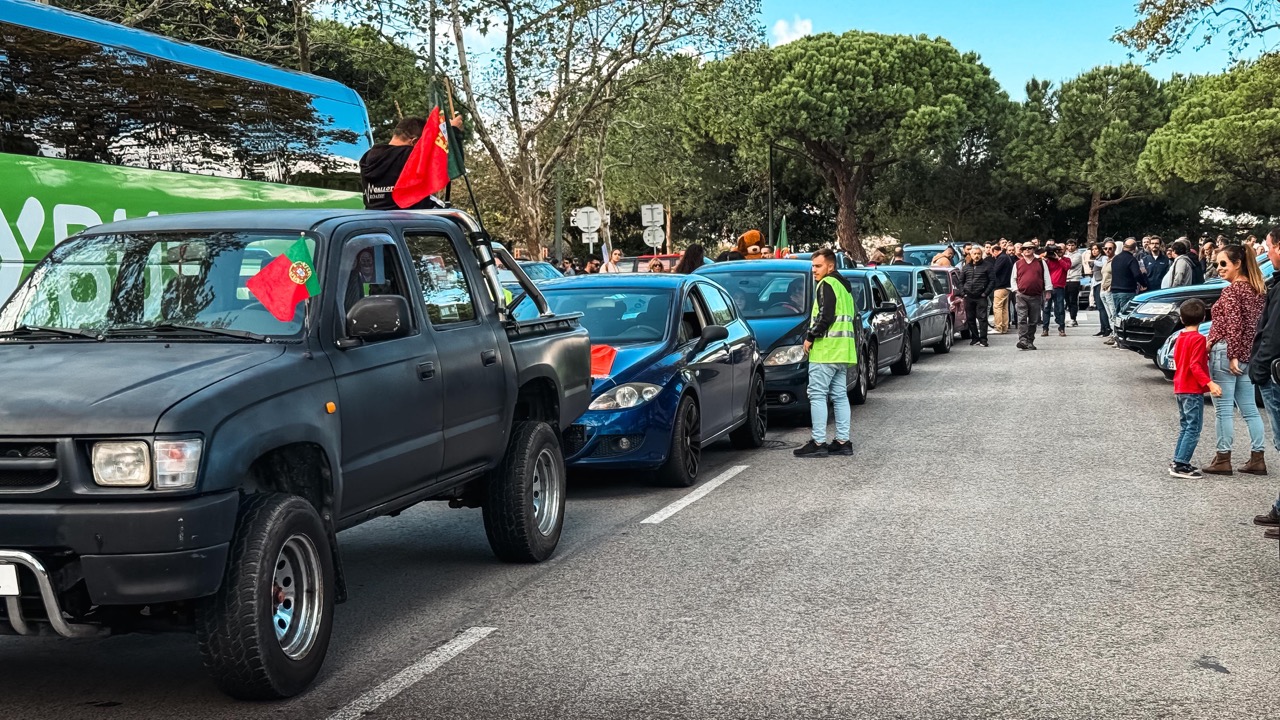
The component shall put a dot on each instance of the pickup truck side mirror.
(378, 317)
(710, 334)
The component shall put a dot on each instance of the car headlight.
(122, 464)
(788, 355)
(626, 396)
(1155, 308)
(177, 463)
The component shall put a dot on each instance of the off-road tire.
(750, 435)
(234, 627)
(510, 518)
(675, 471)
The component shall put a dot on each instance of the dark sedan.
(883, 317)
(928, 308)
(1150, 318)
(674, 368)
(775, 297)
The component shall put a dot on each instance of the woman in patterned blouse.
(1235, 319)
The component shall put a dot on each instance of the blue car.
(675, 368)
(928, 307)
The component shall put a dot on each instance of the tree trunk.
(849, 235)
(667, 242)
(1095, 206)
(301, 18)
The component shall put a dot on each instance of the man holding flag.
(406, 165)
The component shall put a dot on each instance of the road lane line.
(409, 676)
(694, 496)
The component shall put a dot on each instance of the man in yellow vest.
(832, 346)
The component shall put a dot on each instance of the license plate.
(8, 580)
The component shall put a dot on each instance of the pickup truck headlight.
(122, 464)
(177, 463)
(788, 355)
(626, 396)
(1155, 308)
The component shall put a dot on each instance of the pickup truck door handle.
(489, 357)
(426, 370)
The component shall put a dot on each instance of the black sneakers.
(1185, 470)
(1269, 519)
(811, 449)
(840, 448)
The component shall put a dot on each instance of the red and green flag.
(286, 281)
(426, 172)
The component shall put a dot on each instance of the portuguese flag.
(286, 281)
(426, 172)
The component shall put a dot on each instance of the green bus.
(100, 122)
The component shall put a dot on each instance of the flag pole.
(466, 177)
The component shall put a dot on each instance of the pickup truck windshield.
(612, 317)
(189, 285)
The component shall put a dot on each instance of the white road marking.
(409, 676)
(694, 496)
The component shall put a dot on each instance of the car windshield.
(905, 282)
(189, 283)
(537, 272)
(611, 316)
(767, 294)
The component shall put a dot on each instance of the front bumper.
(786, 388)
(595, 440)
(74, 556)
(1145, 333)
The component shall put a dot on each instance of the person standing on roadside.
(899, 258)
(1190, 380)
(1182, 270)
(1157, 266)
(1076, 255)
(1235, 323)
(1264, 353)
(832, 347)
(1126, 278)
(1001, 269)
(975, 282)
(1208, 267)
(944, 258)
(1057, 301)
(615, 257)
(693, 258)
(1032, 286)
(1104, 289)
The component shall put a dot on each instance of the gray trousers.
(1029, 307)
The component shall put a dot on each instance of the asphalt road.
(1005, 542)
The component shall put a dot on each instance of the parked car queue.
(682, 361)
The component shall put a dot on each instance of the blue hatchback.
(675, 368)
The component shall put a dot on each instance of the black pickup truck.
(193, 406)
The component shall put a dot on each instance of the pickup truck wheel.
(751, 434)
(265, 633)
(524, 500)
(685, 456)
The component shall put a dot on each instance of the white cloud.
(784, 31)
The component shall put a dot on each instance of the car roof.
(771, 265)
(902, 268)
(657, 281)
(298, 220)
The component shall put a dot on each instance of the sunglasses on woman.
(1223, 263)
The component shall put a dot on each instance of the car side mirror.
(377, 317)
(887, 307)
(710, 334)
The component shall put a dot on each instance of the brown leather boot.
(1221, 465)
(1256, 465)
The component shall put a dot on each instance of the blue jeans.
(1237, 391)
(827, 382)
(1057, 306)
(1118, 301)
(1190, 420)
(1271, 401)
(1102, 309)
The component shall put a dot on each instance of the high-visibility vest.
(840, 344)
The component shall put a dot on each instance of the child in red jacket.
(1190, 380)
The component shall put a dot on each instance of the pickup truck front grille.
(26, 466)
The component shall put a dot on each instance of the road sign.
(586, 219)
(591, 238)
(651, 216)
(654, 237)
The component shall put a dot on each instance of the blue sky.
(1017, 39)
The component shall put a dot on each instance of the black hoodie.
(380, 168)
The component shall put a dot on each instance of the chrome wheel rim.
(692, 440)
(873, 366)
(546, 490)
(297, 588)
(950, 332)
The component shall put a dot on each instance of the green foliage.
(1226, 132)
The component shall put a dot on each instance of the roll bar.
(485, 251)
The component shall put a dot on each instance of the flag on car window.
(602, 360)
(286, 281)
(426, 172)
